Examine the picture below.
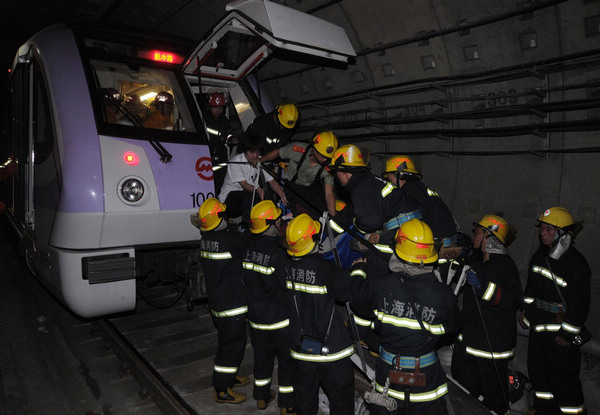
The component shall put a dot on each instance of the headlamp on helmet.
(325, 143)
(287, 114)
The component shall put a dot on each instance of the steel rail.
(163, 395)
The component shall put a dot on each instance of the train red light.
(131, 158)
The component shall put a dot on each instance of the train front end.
(130, 165)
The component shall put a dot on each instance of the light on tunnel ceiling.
(358, 76)
(428, 62)
(471, 53)
(528, 40)
(388, 70)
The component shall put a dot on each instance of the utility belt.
(398, 375)
(399, 220)
(448, 241)
(407, 362)
(555, 308)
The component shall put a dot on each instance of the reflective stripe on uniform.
(230, 313)
(409, 323)
(358, 273)
(386, 249)
(262, 382)
(489, 292)
(571, 329)
(528, 300)
(261, 269)
(322, 358)
(362, 322)
(336, 227)
(225, 369)
(544, 395)
(274, 326)
(485, 354)
(388, 188)
(546, 327)
(417, 397)
(286, 389)
(215, 255)
(572, 409)
(546, 273)
(306, 288)
(212, 131)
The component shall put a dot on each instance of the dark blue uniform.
(221, 257)
(265, 264)
(474, 365)
(400, 333)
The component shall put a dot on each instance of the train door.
(251, 32)
(16, 143)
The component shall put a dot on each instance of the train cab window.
(141, 97)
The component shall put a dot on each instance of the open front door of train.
(253, 29)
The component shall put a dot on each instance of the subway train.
(111, 150)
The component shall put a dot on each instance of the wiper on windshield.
(164, 155)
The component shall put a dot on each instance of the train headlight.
(132, 190)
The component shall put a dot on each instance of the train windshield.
(144, 97)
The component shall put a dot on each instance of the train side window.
(43, 131)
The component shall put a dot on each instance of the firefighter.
(161, 112)
(218, 129)
(242, 187)
(276, 128)
(320, 343)
(555, 306)
(410, 309)
(401, 171)
(489, 329)
(308, 186)
(379, 207)
(221, 257)
(265, 265)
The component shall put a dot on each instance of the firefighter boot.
(287, 411)
(262, 403)
(241, 380)
(229, 396)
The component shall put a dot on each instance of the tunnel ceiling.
(425, 70)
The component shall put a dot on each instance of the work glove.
(473, 280)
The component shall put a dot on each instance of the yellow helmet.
(558, 217)
(301, 235)
(347, 157)
(287, 114)
(211, 213)
(263, 215)
(402, 164)
(414, 243)
(339, 205)
(498, 227)
(325, 143)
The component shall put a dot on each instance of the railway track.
(170, 353)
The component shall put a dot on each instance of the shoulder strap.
(310, 146)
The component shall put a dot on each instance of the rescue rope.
(381, 399)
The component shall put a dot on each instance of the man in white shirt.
(242, 178)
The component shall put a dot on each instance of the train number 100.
(199, 198)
